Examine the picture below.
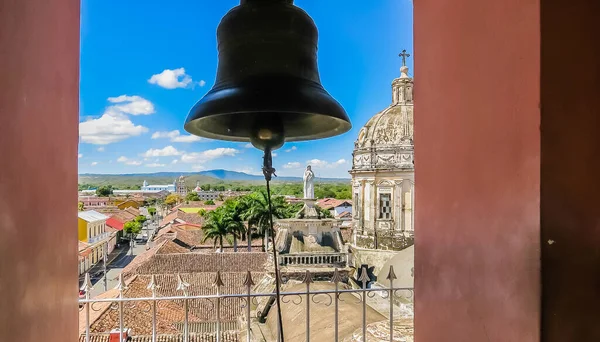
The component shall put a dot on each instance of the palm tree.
(235, 210)
(258, 213)
(216, 227)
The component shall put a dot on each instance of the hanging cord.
(269, 171)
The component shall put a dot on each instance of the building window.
(385, 206)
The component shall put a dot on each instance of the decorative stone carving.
(384, 156)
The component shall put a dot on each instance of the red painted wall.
(477, 164)
(39, 96)
(570, 197)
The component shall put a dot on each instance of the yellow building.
(128, 203)
(91, 230)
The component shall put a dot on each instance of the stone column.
(398, 204)
(408, 211)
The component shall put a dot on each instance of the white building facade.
(383, 174)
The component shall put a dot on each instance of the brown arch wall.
(507, 158)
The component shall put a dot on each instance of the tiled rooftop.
(156, 263)
(227, 336)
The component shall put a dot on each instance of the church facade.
(383, 174)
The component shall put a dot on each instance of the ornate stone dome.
(386, 141)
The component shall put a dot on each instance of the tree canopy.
(172, 199)
(132, 227)
(104, 191)
(192, 196)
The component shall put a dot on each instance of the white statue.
(309, 188)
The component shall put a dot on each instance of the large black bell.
(267, 88)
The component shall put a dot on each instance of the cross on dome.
(404, 55)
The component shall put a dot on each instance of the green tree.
(104, 191)
(80, 206)
(235, 211)
(202, 212)
(216, 227)
(323, 213)
(292, 209)
(192, 196)
(205, 187)
(141, 219)
(152, 211)
(258, 216)
(132, 228)
(209, 202)
(172, 200)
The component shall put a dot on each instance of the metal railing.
(313, 259)
(246, 301)
(99, 237)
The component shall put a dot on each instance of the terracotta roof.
(187, 237)
(330, 203)
(226, 336)
(115, 223)
(345, 214)
(124, 216)
(170, 247)
(132, 211)
(142, 258)
(170, 315)
(192, 238)
(151, 262)
(182, 217)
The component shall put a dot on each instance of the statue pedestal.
(308, 211)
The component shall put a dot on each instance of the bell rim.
(343, 126)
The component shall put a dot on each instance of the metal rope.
(268, 172)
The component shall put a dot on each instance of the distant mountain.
(230, 175)
(204, 177)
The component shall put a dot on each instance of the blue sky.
(145, 63)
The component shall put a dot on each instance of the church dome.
(386, 141)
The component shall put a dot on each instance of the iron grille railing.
(313, 259)
(246, 300)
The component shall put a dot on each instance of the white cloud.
(292, 165)
(173, 78)
(134, 105)
(274, 154)
(111, 127)
(248, 145)
(318, 163)
(94, 163)
(293, 148)
(155, 165)
(163, 152)
(175, 136)
(79, 155)
(114, 125)
(100, 149)
(202, 83)
(199, 157)
(174, 161)
(127, 161)
(198, 167)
